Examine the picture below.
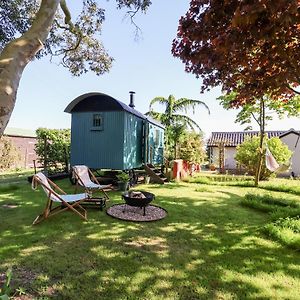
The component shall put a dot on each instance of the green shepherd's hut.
(108, 134)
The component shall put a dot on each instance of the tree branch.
(131, 14)
(68, 20)
(293, 90)
(66, 11)
(254, 117)
(70, 27)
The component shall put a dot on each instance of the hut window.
(97, 122)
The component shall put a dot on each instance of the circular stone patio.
(131, 213)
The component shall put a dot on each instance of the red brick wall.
(25, 146)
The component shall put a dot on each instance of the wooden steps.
(156, 175)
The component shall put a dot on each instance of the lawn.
(210, 246)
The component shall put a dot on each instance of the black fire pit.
(138, 199)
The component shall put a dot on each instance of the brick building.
(24, 141)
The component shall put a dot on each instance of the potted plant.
(123, 180)
(212, 167)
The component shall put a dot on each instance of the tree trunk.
(261, 141)
(18, 53)
(175, 150)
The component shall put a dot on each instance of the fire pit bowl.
(138, 199)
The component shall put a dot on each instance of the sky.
(145, 66)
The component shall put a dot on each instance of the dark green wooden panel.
(98, 148)
(133, 135)
(155, 144)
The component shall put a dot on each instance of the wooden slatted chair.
(85, 178)
(66, 201)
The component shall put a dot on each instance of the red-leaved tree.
(251, 47)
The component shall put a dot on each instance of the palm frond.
(186, 120)
(160, 100)
(156, 115)
(185, 104)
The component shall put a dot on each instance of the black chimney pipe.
(131, 104)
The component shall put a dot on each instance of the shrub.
(286, 230)
(123, 177)
(248, 155)
(53, 148)
(9, 155)
(191, 148)
(285, 213)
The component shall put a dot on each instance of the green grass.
(7, 177)
(284, 213)
(282, 185)
(278, 184)
(208, 247)
(222, 179)
(286, 230)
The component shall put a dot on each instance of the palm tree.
(171, 117)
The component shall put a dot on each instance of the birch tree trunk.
(18, 53)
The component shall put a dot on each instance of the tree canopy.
(173, 107)
(176, 123)
(75, 42)
(252, 111)
(248, 46)
(36, 28)
(248, 154)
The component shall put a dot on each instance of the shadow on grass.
(207, 248)
(169, 185)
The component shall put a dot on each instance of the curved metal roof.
(96, 102)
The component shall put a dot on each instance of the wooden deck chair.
(65, 201)
(85, 178)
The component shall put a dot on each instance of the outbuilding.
(108, 134)
(221, 147)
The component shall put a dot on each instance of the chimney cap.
(131, 104)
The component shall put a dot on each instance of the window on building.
(97, 122)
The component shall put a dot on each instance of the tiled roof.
(233, 139)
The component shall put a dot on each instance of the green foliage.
(285, 230)
(175, 123)
(285, 213)
(73, 42)
(123, 177)
(192, 148)
(251, 111)
(175, 134)
(11, 23)
(248, 154)
(9, 155)
(220, 179)
(53, 148)
(5, 290)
